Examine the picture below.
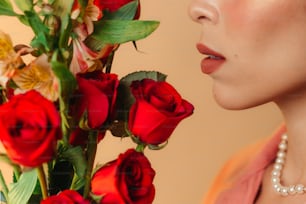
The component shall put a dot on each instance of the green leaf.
(2, 198)
(158, 147)
(67, 86)
(40, 41)
(126, 12)
(83, 3)
(67, 81)
(121, 31)
(23, 19)
(76, 158)
(5, 158)
(22, 190)
(24, 5)
(63, 10)
(6, 8)
(139, 75)
(40, 29)
(36, 23)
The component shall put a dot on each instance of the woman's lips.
(212, 62)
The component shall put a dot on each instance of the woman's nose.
(203, 11)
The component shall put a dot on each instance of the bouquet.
(56, 108)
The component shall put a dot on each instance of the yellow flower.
(10, 61)
(38, 75)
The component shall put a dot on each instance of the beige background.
(201, 143)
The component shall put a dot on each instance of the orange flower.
(38, 75)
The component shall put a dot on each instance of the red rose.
(111, 5)
(79, 137)
(65, 197)
(114, 5)
(98, 92)
(157, 111)
(29, 128)
(127, 180)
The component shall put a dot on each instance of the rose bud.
(125, 180)
(157, 111)
(97, 92)
(29, 128)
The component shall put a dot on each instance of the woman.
(255, 52)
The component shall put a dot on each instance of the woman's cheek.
(255, 16)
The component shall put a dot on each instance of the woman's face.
(260, 49)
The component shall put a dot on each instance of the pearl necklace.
(276, 173)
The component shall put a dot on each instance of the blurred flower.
(55, 109)
(66, 197)
(79, 137)
(91, 13)
(29, 129)
(125, 180)
(10, 61)
(38, 75)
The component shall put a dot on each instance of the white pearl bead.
(275, 180)
(292, 190)
(284, 137)
(284, 191)
(281, 154)
(278, 189)
(279, 161)
(282, 146)
(299, 188)
(277, 166)
(275, 173)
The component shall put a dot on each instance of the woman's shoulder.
(250, 158)
(233, 169)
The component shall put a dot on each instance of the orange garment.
(239, 180)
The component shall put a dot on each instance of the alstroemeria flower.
(84, 59)
(38, 75)
(92, 13)
(9, 59)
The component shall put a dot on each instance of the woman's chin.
(234, 102)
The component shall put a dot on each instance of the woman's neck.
(293, 108)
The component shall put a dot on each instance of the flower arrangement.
(55, 109)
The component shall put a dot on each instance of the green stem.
(74, 181)
(140, 147)
(4, 186)
(17, 171)
(91, 155)
(42, 181)
(64, 121)
(109, 62)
